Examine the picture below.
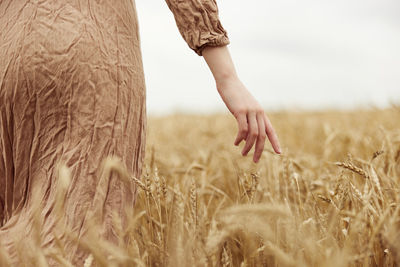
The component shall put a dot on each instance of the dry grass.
(331, 199)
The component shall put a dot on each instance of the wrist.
(225, 78)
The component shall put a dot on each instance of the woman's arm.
(253, 124)
(199, 25)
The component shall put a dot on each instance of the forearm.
(220, 63)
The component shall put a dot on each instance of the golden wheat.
(200, 203)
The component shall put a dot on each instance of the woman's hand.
(254, 126)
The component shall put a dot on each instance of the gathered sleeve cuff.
(199, 24)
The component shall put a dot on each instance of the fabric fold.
(199, 24)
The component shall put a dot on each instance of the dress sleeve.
(198, 22)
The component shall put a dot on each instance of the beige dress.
(72, 89)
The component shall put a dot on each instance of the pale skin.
(253, 124)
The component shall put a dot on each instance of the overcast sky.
(308, 54)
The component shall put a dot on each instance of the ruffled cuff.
(219, 40)
(199, 24)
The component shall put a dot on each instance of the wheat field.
(330, 199)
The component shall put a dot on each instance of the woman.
(72, 90)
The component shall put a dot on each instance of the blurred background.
(309, 54)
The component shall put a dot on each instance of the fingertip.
(238, 140)
(278, 148)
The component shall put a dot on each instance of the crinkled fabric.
(72, 90)
(199, 24)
